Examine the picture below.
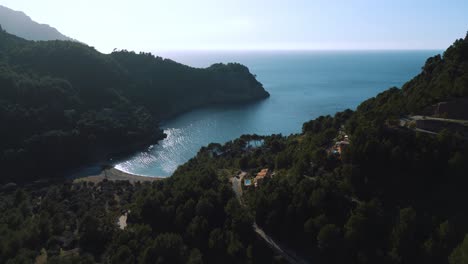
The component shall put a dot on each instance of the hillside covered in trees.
(63, 103)
(395, 194)
(192, 217)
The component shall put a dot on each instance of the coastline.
(114, 174)
(92, 171)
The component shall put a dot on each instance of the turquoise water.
(303, 86)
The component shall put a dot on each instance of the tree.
(105, 167)
(166, 248)
(329, 238)
(403, 237)
(195, 257)
(460, 254)
(123, 255)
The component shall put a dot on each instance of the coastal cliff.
(183, 87)
(64, 103)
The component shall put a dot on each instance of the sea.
(303, 85)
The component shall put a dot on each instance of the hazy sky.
(152, 25)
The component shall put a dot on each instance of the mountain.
(358, 187)
(19, 24)
(443, 78)
(65, 104)
(385, 183)
(381, 184)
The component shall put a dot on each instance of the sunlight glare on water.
(303, 86)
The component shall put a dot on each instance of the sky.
(152, 25)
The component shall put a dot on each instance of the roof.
(262, 174)
(342, 143)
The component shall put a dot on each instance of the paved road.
(459, 121)
(237, 186)
(287, 254)
(425, 131)
(404, 122)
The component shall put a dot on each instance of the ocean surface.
(303, 86)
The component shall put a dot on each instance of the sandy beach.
(114, 174)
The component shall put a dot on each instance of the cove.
(303, 85)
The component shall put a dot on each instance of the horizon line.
(287, 50)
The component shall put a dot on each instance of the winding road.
(406, 121)
(286, 253)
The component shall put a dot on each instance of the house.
(341, 143)
(261, 176)
(341, 146)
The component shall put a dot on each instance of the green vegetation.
(193, 217)
(392, 195)
(63, 104)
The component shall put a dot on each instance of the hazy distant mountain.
(19, 24)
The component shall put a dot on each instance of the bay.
(303, 85)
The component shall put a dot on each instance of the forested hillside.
(63, 103)
(192, 217)
(356, 187)
(393, 195)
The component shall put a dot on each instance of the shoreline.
(90, 173)
(114, 174)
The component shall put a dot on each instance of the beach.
(114, 174)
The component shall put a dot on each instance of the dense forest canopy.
(63, 103)
(356, 187)
(191, 217)
(393, 195)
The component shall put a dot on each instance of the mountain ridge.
(64, 95)
(20, 24)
